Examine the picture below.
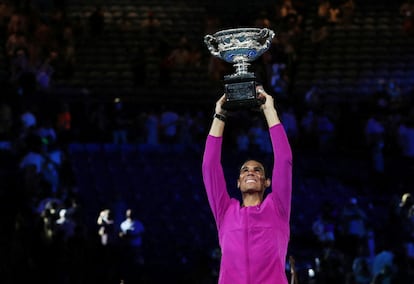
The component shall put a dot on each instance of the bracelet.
(220, 116)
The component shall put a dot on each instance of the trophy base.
(240, 92)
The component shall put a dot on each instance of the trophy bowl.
(240, 47)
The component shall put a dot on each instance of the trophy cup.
(239, 47)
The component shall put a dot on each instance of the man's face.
(252, 177)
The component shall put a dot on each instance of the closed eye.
(243, 170)
(255, 169)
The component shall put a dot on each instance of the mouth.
(251, 181)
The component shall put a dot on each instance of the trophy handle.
(268, 35)
(211, 43)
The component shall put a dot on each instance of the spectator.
(279, 81)
(44, 76)
(54, 158)
(180, 55)
(259, 137)
(151, 125)
(185, 137)
(68, 52)
(404, 223)
(65, 226)
(319, 35)
(120, 123)
(131, 235)
(64, 123)
(16, 41)
(332, 265)
(383, 266)
(22, 73)
(375, 140)
(361, 266)
(405, 205)
(177, 60)
(313, 98)
(288, 9)
(288, 117)
(308, 130)
(47, 132)
(132, 229)
(347, 11)
(325, 132)
(34, 156)
(98, 123)
(353, 221)
(324, 229)
(407, 14)
(262, 20)
(49, 213)
(168, 123)
(106, 227)
(151, 24)
(405, 141)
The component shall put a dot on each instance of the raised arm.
(282, 166)
(212, 170)
(268, 108)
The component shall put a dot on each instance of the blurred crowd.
(364, 236)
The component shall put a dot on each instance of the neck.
(252, 199)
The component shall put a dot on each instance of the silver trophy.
(239, 47)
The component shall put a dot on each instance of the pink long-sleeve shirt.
(253, 239)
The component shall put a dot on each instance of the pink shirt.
(253, 239)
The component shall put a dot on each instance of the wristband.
(220, 117)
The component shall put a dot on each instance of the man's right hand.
(268, 102)
(219, 105)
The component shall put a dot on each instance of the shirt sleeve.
(213, 177)
(282, 171)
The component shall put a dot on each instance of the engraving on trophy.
(240, 47)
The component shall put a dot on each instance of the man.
(132, 229)
(132, 254)
(254, 235)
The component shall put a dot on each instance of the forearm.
(217, 127)
(271, 116)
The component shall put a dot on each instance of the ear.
(268, 182)
(238, 183)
